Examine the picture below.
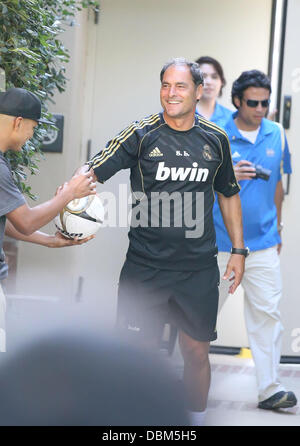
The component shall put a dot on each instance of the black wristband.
(243, 252)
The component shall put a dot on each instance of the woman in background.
(214, 81)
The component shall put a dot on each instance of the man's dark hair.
(217, 66)
(252, 78)
(193, 66)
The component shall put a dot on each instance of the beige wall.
(135, 38)
(291, 210)
(115, 79)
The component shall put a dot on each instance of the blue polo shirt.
(257, 196)
(220, 115)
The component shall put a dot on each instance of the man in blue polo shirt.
(257, 141)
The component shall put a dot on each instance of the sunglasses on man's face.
(253, 103)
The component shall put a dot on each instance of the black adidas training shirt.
(176, 171)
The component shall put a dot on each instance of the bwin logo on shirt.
(181, 174)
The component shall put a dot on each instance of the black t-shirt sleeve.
(120, 153)
(225, 181)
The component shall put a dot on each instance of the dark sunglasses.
(253, 103)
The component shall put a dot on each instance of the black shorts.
(148, 298)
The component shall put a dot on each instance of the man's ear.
(199, 92)
(236, 101)
(18, 122)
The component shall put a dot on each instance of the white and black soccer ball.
(81, 217)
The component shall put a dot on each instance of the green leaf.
(32, 53)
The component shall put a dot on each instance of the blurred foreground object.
(71, 379)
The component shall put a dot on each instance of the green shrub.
(33, 57)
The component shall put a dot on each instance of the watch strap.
(241, 251)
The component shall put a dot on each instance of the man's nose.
(260, 108)
(172, 90)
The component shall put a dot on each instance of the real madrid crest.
(207, 155)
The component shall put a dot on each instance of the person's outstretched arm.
(56, 240)
(28, 220)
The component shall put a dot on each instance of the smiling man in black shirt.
(177, 160)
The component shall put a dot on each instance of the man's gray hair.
(193, 66)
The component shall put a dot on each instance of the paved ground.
(233, 394)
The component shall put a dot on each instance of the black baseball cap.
(20, 102)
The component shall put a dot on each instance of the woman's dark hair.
(251, 78)
(217, 66)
